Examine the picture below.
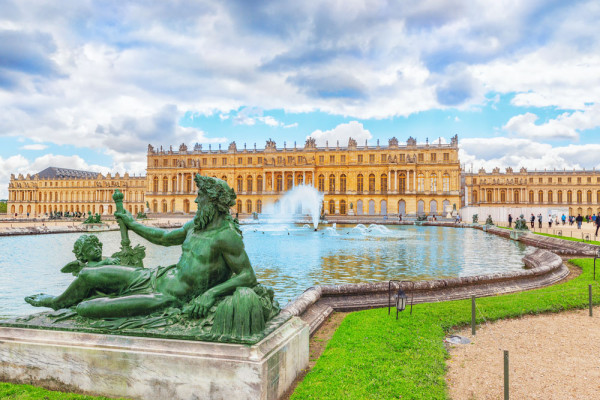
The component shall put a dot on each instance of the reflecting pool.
(290, 258)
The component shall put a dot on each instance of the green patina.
(210, 294)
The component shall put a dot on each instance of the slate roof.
(55, 173)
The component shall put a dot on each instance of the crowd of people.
(554, 219)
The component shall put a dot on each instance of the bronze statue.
(213, 280)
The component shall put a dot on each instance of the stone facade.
(376, 180)
(577, 191)
(61, 189)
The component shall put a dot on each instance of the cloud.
(34, 147)
(342, 133)
(565, 126)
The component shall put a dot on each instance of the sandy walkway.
(553, 356)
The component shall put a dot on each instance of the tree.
(2, 207)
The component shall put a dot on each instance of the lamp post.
(400, 297)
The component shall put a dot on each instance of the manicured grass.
(28, 392)
(373, 356)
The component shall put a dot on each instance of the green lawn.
(28, 392)
(373, 356)
(573, 239)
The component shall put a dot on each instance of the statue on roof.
(352, 143)
(182, 147)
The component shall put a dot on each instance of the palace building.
(68, 190)
(355, 180)
(577, 191)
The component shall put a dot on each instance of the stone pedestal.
(149, 368)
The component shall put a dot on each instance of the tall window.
(446, 183)
(165, 184)
(279, 183)
(579, 197)
(343, 207)
(154, 186)
(249, 184)
(321, 183)
(550, 197)
(259, 185)
(434, 183)
(489, 196)
(384, 183)
(332, 183)
(290, 181)
(331, 207)
(371, 183)
(239, 206)
(589, 196)
(240, 185)
(402, 183)
(343, 183)
(503, 196)
(569, 197)
(359, 183)
(249, 206)
(559, 196)
(188, 183)
(421, 183)
(540, 196)
(516, 196)
(258, 206)
(531, 201)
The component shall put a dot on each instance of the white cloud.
(34, 147)
(342, 133)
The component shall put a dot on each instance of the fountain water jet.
(300, 200)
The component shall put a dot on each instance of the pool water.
(290, 258)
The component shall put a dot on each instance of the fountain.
(301, 200)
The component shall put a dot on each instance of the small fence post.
(473, 315)
(590, 293)
(505, 374)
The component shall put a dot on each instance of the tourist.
(579, 221)
(550, 221)
(399, 217)
(564, 219)
(532, 221)
(509, 220)
(540, 220)
(597, 223)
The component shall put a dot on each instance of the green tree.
(2, 207)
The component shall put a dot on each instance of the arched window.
(489, 196)
(402, 183)
(249, 184)
(550, 197)
(371, 183)
(258, 206)
(249, 206)
(420, 207)
(371, 207)
(240, 184)
(598, 197)
(569, 197)
(503, 196)
(155, 184)
(474, 197)
(384, 183)
(420, 183)
(279, 183)
(342, 184)
(331, 183)
(321, 183)
(433, 179)
(188, 184)
(589, 197)
(559, 198)
(186, 206)
(433, 207)
(540, 196)
(359, 183)
(164, 206)
(154, 207)
(290, 181)
(259, 184)
(165, 184)
(343, 207)
(579, 197)
(239, 206)
(383, 207)
(174, 184)
(446, 183)
(359, 207)
(331, 207)
(531, 200)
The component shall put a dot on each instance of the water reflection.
(289, 258)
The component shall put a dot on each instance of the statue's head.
(221, 197)
(88, 248)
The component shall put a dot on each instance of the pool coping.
(543, 267)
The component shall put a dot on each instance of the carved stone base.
(149, 368)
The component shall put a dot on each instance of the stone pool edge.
(544, 267)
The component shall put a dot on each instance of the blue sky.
(89, 84)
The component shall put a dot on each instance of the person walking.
(549, 221)
(597, 223)
(540, 220)
(564, 218)
(509, 220)
(532, 220)
(579, 221)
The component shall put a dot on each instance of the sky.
(89, 84)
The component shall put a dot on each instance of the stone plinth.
(150, 368)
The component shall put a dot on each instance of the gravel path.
(552, 356)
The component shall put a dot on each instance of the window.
(260, 162)
(569, 180)
(383, 158)
(359, 183)
(290, 160)
(549, 180)
(321, 159)
(249, 206)
(249, 184)
(332, 183)
(214, 161)
(579, 196)
(569, 196)
(321, 183)
(384, 183)
(204, 161)
(279, 159)
(343, 159)
(503, 196)
(489, 196)
(550, 199)
(249, 160)
(165, 184)
(474, 181)
(259, 185)
(446, 183)
(559, 180)
(372, 158)
(174, 163)
(240, 184)
(290, 181)
(371, 183)
(155, 163)
(258, 206)
(531, 201)
(239, 160)
(343, 207)
(578, 180)
(530, 180)
(589, 196)
(540, 196)
(224, 161)
(402, 183)
(343, 183)
(154, 185)
(331, 159)
(421, 158)
(279, 183)
(331, 207)
(239, 207)
(446, 156)
(360, 158)
(433, 157)
(541, 180)
(434, 183)
(401, 158)
(165, 163)
(559, 196)
(421, 183)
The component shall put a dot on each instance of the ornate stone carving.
(393, 143)
(232, 147)
(182, 147)
(310, 143)
(411, 142)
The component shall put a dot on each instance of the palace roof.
(57, 173)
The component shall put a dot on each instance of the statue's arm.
(155, 235)
(237, 260)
